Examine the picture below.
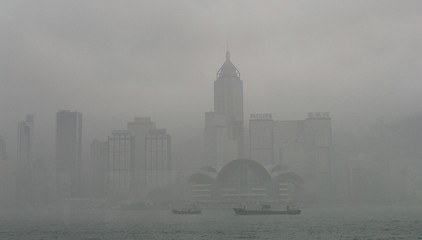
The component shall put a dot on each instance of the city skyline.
(341, 65)
(120, 118)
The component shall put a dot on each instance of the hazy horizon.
(358, 60)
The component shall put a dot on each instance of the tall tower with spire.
(224, 126)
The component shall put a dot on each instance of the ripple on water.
(329, 223)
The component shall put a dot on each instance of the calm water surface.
(398, 222)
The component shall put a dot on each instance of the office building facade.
(303, 146)
(139, 129)
(158, 166)
(224, 126)
(99, 159)
(3, 153)
(121, 153)
(24, 159)
(68, 153)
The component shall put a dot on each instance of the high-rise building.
(3, 153)
(302, 146)
(261, 139)
(68, 153)
(25, 136)
(224, 126)
(289, 144)
(24, 159)
(139, 129)
(99, 158)
(121, 152)
(317, 140)
(158, 159)
(7, 177)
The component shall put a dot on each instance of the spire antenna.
(227, 49)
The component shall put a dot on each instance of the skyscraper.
(120, 164)
(24, 159)
(158, 158)
(7, 177)
(303, 146)
(68, 153)
(224, 126)
(25, 136)
(3, 153)
(139, 129)
(261, 139)
(99, 158)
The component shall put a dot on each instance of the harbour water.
(357, 222)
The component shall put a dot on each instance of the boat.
(191, 211)
(266, 210)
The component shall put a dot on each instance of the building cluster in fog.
(267, 160)
(301, 148)
(133, 162)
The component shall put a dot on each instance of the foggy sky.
(114, 60)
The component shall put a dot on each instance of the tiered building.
(224, 126)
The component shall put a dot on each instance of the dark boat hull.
(187, 212)
(241, 211)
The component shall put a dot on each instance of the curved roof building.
(244, 180)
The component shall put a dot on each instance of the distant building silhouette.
(301, 145)
(25, 136)
(68, 153)
(121, 153)
(158, 159)
(224, 126)
(261, 139)
(99, 158)
(3, 153)
(7, 177)
(24, 159)
(139, 129)
(244, 181)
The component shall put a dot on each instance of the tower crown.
(228, 69)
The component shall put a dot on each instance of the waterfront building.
(158, 159)
(24, 159)
(99, 158)
(245, 181)
(25, 142)
(261, 138)
(121, 150)
(3, 153)
(224, 126)
(7, 177)
(68, 153)
(300, 145)
(139, 129)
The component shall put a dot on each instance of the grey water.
(364, 222)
